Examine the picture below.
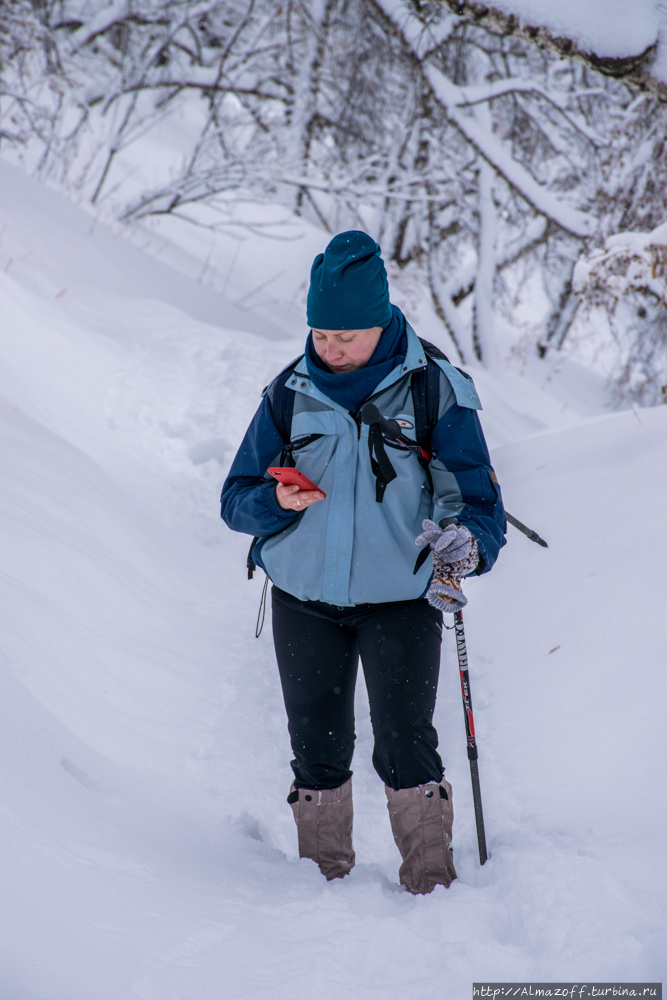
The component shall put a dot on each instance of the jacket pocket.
(313, 453)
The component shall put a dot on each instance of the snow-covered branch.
(501, 159)
(628, 262)
(470, 96)
(454, 98)
(626, 281)
(634, 70)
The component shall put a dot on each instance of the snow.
(606, 28)
(54, 250)
(146, 848)
(612, 28)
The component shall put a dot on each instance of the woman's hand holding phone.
(294, 491)
(294, 498)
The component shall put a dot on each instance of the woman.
(342, 560)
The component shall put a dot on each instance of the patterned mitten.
(455, 554)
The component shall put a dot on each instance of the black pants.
(318, 647)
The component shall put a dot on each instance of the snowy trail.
(146, 847)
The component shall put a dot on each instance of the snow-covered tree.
(486, 160)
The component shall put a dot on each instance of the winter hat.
(348, 285)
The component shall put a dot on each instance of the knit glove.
(455, 554)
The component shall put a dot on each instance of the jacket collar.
(415, 358)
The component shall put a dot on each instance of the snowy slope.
(146, 849)
(62, 253)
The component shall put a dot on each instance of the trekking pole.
(462, 654)
(528, 532)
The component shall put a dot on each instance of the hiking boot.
(324, 826)
(421, 821)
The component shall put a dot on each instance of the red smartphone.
(292, 477)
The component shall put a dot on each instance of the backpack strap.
(282, 399)
(432, 351)
(425, 387)
(282, 408)
(426, 394)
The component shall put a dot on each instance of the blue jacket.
(348, 549)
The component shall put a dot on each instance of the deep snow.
(146, 848)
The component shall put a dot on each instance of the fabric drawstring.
(421, 559)
(382, 433)
(261, 614)
(383, 470)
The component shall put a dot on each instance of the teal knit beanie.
(348, 285)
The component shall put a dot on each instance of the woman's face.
(346, 350)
